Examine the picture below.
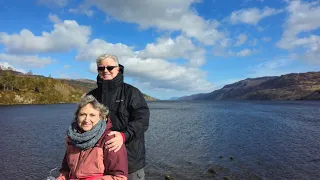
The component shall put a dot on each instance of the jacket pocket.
(134, 148)
(119, 116)
(73, 157)
(100, 157)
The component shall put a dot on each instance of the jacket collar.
(109, 85)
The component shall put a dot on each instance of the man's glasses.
(102, 68)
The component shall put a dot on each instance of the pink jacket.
(96, 163)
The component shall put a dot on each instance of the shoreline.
(16, 104)
(236, 100)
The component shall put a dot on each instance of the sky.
(169, 48)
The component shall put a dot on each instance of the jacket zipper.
(82, 157)
(78, 164)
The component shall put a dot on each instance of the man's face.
(106, 74)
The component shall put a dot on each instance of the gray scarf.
(87, 139)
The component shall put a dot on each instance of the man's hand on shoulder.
(115, 143)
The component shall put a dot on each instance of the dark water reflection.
(266, 140)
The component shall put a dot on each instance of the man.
(129, 113)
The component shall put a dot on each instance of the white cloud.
(246, 1)
(279, 66)
(273, 67)
(82, 9)
(29, 61)
(54, 18)
(197, 58)
(225, 43)
(220, 49)
(241, 39)
(54, 3)
(266, 39)
(303, 17)
(274, 64)
(172, 15)
(67, 66)
(260, 29)
(6, 65)
(98, 47)
(159, 73)
(162, 74)
(65, 36)
(167, 48)
(252, 16)
(243, 53)
(313, 50)
(254, 42)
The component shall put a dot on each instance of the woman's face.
(88, 117)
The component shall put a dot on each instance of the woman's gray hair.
(105, 56)
(89, 99)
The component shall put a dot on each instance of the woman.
(85, 157)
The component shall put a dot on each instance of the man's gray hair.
(89, 99)
(105, 56)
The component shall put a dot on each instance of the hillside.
(295, 86)
(87, 84)
(191, 97)
(19, 88)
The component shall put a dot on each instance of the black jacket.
(129, 114)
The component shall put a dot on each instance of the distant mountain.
(191, 97)
(86, 81)
(20, 88)
(173, 98)
(92, 84)
(149, 98)
(313, 96)
(294, 86)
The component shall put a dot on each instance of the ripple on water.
(186, 140)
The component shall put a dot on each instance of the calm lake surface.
(241, 140)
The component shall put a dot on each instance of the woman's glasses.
(102, 68)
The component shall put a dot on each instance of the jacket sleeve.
(64, 171)
(138, 116)
(116, 165)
